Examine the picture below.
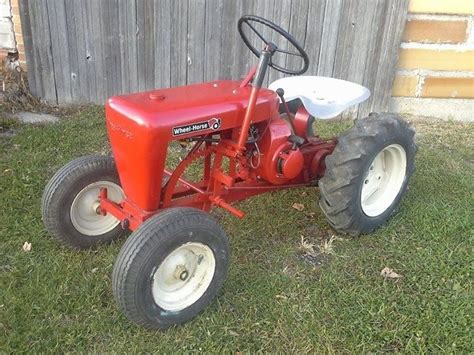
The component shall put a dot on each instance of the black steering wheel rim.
(301, 52)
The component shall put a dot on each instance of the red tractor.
(251, 140)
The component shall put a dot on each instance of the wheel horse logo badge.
(213, 123)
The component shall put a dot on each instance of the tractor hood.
(141, 125)
(189, 110)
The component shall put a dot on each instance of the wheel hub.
(86, 215)
(183, 276)
(383, 180)
(181, 273)
(96, 207)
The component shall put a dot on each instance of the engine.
(276, 158)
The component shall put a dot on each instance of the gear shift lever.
(280, 92)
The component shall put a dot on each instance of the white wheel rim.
(84, 216)
(183, 277)
(384, 180)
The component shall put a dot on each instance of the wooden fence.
(87, 50)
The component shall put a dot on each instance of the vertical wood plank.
(107, 55)
(127, 22)
(244, 58)
(355, 32)
(298, 28)
(59, 49)
(345, 39)
(229, 39)
(149, 45)
(265, 9)
(235, 58)
(111, 47)
(72, 35)
(179, 42)
(89, 58)
(77, 52)
(373, 58)
(95, 62)
(145, 44)
(140, 38)
(281, 17)
(314, 31)
(196, 37)
(26, 27)
(327, 52)
(212, 40)
(42, 50)
(162, 43)
(394, 20)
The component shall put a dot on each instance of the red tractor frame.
(219, 187)
(252, 140)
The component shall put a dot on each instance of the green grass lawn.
(276, 297)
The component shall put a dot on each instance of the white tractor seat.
(321, 96)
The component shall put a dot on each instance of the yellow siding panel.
(462, 7)
(461, 88)
(404, 85)
(411, 58)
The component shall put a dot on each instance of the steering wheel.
(249, 19)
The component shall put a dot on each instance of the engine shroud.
(276, 163)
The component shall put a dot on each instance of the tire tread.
(151, 232)
(59, 186)
(345, 166)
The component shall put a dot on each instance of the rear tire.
(368, 173)
(70, 197)
(171, 267)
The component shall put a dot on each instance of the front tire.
(368, 173)
(71, 198)
(171, 267)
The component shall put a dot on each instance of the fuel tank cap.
(156, 96)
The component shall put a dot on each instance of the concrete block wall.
(435, 74)
(7, 38)
(18, 47)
